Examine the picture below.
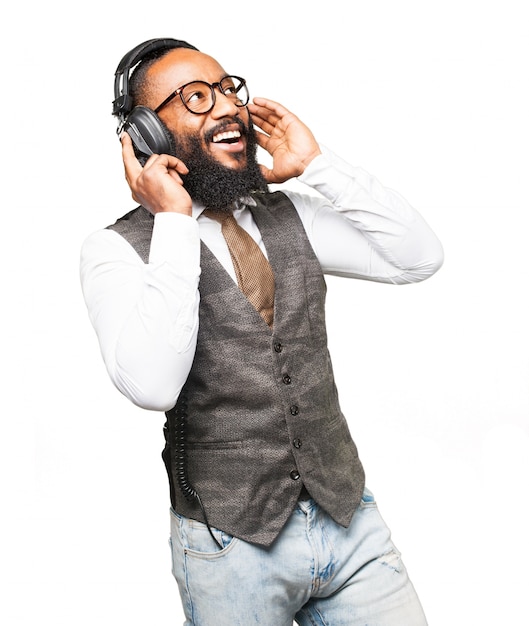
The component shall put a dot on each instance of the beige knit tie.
(254, 274)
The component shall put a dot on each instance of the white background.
(432, 98)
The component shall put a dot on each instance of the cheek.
(184, 126)
(184, 135)
(187, 143)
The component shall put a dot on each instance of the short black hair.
(138, 86)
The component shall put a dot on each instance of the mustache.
(222, 126)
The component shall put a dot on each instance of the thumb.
(270, 176)
(266, 172)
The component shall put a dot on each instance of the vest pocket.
(214, 445)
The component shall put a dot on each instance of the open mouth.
(228, 136)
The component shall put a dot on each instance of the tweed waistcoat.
(262, 409)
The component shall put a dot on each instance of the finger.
(126, 144)
(265, 126)
(268, 125)
(271, 105)
(177, 164)
(172, 163)
(131, 163)
(150, 162)
(175, 176)
(262, 115)
(262, 139)
(167, 162)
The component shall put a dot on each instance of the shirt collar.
(240, 205)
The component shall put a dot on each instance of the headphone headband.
(148, 133)
(123, 104)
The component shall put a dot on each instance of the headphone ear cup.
(148, 133)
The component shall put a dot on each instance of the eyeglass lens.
(198, 96)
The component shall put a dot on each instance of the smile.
(229, 136)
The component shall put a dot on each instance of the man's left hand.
(284, 136)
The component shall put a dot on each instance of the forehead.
(182, 66)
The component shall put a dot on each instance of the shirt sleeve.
(360, 229)
(145, 314)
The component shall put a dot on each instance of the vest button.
(278, 347)
(294, 410)
(286, 379)
(294, 474)
(297, 443)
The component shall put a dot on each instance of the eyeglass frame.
(212, 86)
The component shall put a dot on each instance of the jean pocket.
(197, 540)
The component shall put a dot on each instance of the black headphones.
(147, 131)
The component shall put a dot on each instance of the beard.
(212, 184)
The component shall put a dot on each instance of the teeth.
(230, 134)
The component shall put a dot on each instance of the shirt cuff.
(315, 168)
(334, 179)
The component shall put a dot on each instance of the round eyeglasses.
(199, 97)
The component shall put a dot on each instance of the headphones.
(148, 133)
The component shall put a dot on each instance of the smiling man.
(208, 301)
(217, 146)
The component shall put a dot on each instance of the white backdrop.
(432, 98)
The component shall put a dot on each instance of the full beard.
(214, 185)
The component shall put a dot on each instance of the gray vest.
(261, 407)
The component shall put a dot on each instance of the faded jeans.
(316, 573)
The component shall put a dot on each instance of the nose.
(224, 106)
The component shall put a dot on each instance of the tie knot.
(218, 216)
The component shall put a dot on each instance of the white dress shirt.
(146, 315)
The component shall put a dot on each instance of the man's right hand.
(157, 185)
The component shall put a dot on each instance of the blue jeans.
(316, 573)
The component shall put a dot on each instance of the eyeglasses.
(199, 97)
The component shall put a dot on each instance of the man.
(270, 518)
